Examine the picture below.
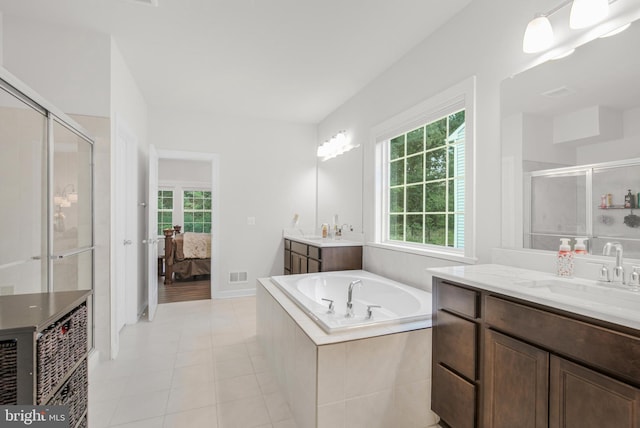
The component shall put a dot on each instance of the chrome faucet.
(349, 313)
(618, 270)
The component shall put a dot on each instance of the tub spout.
(349, 313)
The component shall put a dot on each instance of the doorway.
(187, 198)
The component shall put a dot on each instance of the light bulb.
(538, 36)
(587, 12)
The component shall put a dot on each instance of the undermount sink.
(594, 293)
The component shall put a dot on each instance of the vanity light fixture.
(538, 36)
(337, 145)
(585, 13)
(539, 33)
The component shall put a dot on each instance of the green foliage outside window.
(426, 183)
(165, 210)
(197, 211)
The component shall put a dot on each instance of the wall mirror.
(570, 132)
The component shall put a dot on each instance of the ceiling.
(292, 60)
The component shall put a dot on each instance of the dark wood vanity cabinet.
(455, 354)
(537, 367)
(516, 383)
(304, 258)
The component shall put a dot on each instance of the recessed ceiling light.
(562, 91)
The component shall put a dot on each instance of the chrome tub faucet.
(349, 313)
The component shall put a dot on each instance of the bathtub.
(399, 303)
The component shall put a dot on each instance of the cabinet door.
(516, 383)
(582, 398)
(453, 399)
(295, 263)
(455, 344)
(287, 261)
(313, 266)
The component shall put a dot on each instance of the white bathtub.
(399, 303)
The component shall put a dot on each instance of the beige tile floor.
(196, 365)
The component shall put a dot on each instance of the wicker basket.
(8, 372)
(74, 394)
(59, 348)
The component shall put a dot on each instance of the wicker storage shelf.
(74, 394)
(43, 350)
(8, 372)
(59, 348)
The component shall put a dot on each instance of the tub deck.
(321, 337)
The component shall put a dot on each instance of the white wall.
(465, 46)
(68, 67)
(626, 147)
(267, 171)
(183, 171)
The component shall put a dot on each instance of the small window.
(197, 211)
(165, 210)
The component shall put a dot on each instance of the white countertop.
(318, 241)
(607, 302)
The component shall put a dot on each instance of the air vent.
(562, 91)
(237, 277)
(147, 2)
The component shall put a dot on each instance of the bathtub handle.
(370, 312)
(330, 310)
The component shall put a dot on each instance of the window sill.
(442, 255)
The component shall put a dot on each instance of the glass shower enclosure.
(46, 197)
(583, 201)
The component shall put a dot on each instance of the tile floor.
(196, 365)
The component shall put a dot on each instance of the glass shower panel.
(614, 222)
(73, 272)
(72, 191)
(72, 219)
(23, 247)
(558, 209)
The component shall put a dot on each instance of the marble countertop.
(607, 302)
(318, 241)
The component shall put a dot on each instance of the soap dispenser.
(564, 261)
(580, 247)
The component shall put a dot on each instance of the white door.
(125, 225)
(152, 232)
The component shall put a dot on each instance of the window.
(426, 183)
(165, 210)
(197, 211)
(424, 177)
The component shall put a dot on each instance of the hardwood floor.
(183, 291)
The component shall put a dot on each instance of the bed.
(186, 255)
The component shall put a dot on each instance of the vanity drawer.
(456, 340)
(315, 252)
(299, 248)
(594, 345)
(457, 299)
(455, 401)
